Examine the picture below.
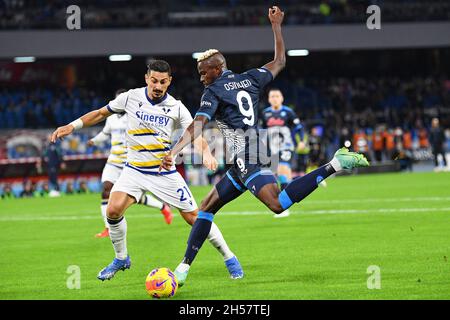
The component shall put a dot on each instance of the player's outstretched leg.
(118, 203)
(105, 232)
(284, 174)
(152, 202)
(216, 238)
(107, 185)
(225, 191)
(300, 188)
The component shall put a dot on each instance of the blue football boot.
(108, 272)
(234, 268)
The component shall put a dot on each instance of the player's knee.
(191, 219)
(276, 207)
(114, 211)
(106, 190)
(204, 205)
(105, 194)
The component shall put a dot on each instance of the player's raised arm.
(279, 60)
(87, 120)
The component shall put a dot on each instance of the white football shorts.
(169, 188)
(111, 173)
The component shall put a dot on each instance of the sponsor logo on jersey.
(205, 103)
(272, 122)
(156, 120)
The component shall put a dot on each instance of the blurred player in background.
(52, 155)
(282, 124)
(153, 118)
(437, 141)
(115, 130)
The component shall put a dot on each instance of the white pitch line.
(404, 199)
(229, 213)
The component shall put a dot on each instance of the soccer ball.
(161, 283)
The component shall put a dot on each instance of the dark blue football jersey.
(283, 117)
(232, 100)
(282, 124)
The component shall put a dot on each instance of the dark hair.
(159, 66)
(120, 91)
(274, 89)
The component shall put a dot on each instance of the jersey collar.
(153, 102)
(221, 75)
(277, 110)
(224, 73)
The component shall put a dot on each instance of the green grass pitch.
(398, 222)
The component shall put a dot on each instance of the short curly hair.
(206, 54)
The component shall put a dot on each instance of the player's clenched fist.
(210, 162)
(276, 15)
(167, 162)
(62, 132)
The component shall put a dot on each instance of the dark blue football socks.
(300, 188)
(198, 235)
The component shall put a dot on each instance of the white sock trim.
(183, 267)
(336, 164)
(103, 210)
(150, 201)
(216, 238)
(118, 236)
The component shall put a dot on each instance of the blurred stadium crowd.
(45, 107)
(354, 109)
(49, 14)
(32, 189)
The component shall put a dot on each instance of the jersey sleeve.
(103, 135)
(208, 104)
(107, 127)
(119, 103)
(99, 138)
(261, 76)
(185, 118)
(295, 121)
(295, 124)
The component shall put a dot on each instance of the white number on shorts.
(240, 164)
(248, 113)
(181, 192)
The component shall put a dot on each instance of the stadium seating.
(43, 108)
(145, 14)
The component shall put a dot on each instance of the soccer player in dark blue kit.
(232, 98)
(282, 124)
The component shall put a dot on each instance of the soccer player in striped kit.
(115, 130)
